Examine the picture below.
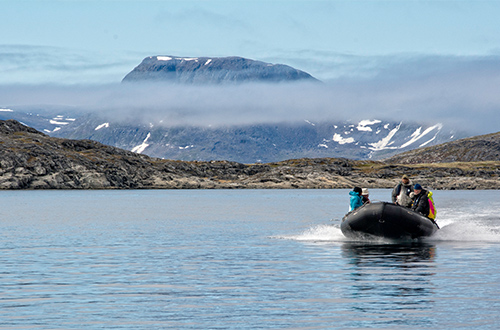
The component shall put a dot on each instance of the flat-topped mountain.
(32, 160)
(212, 70)
(473, 149)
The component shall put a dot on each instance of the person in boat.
(420, 200)
(356, 199)
(365, 194)
(401, 192)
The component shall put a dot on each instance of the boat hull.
(386, 220)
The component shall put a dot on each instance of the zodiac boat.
(386, 220)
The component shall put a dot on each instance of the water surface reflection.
(389, 278)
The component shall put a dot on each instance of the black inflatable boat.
(386, 220)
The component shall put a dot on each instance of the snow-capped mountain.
(212, 70)
(366, 139)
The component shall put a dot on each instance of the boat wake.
(467, 232)
(468, 226)
(454, 228)
(317, 233)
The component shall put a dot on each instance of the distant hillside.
(212, 70)
(474, 149)
(32, 160)
(260, 142)
(265, 142)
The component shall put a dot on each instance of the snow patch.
(363, 125)
(141, 147)
(168, 58)
(208, 61)
(417, 135)
(307, 121)
(102, 126)
(60, 120)
(55, 122)
(322, 145)
(340, 140)
(426, 143)
(385, 142)
(186, 147)
(6, 110)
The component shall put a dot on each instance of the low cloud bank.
(460, 93)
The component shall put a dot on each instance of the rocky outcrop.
(212, 70)
(32, 160)
(474, 149)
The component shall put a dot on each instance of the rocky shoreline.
(32, 160)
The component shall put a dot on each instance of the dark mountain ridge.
(213, 70)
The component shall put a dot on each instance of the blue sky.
(104, 39)
(401, 59)
(246, 27)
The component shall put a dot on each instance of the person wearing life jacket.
(356, 200)
(432, 206)
(420, 200)
(401, 192)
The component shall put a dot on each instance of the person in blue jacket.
(356, 199)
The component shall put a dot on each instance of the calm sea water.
(240, 259)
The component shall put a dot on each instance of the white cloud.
(24, 64)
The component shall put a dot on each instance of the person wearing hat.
(365, 195)
(356, 199)
(420, 200)
(401, 192)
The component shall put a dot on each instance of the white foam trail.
(467, 232)
(318, 233)
(475, 223)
